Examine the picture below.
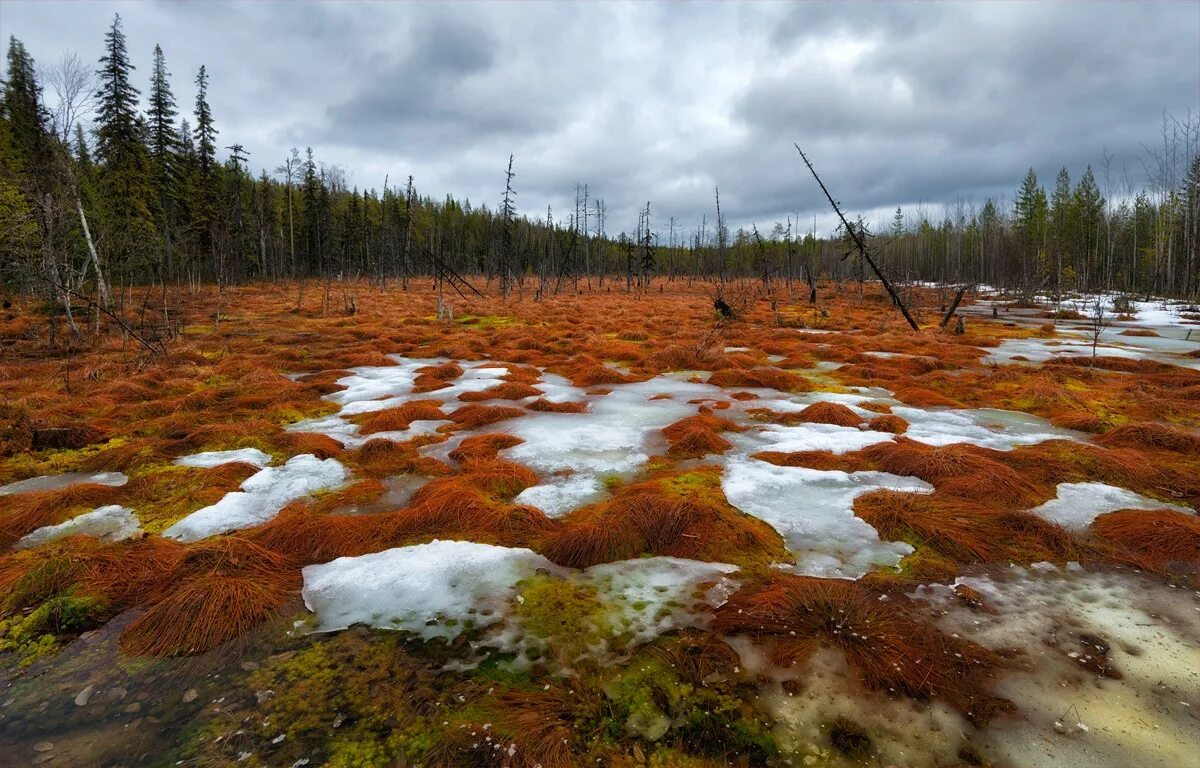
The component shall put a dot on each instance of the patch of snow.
(432, 590)
(986, 427)
(214, 458)
(560, 495)
(813, 511)
(108, 523)
(54, 482)
(262, 495)
(1078, 504)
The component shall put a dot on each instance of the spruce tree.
(124, 180)
(164, 153)
(204, 199)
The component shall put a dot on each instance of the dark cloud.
(898, 103)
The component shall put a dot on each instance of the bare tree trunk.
(101, 283)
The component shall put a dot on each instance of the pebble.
(43, 746)
(119, 692)
(84, 696)
(249, 666)
(190, 695)
(133, 708)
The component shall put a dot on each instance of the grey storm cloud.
(899, 104)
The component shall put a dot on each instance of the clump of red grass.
(304, 536)
(829, 413)
(1150, 539)
(1146, 332)
(397, 419)
(765, 377)
(887, 649)
(463, 507)
(743, 396)
(1083, 421)
(434, 377)
(1150, 435)
(698, 435)
(888, 422)
(682, 357)
(26, 512)
(380, 457)
(475, 415)
(823, 460)
(502, 479)
(509, 390)
(924, 398)
(586, 371)
(680, 515)
(959, 469)
(484, 446)
(218, 590)
(297, 443)
(548, 406)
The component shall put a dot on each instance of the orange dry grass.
(305, 537)
(1151, 539)
(769, 378)
(959, 469)
(509, 390)
(218, 590)
(824, 460)
(586, 371)
(380, 457)
(474, 416)
(680, 357)
(697, 435)
(502, 479)
(398, 419)
(829, 413)
(542, 404)
(888, 422)
(26, 512)
(455, 507)
(1148, 435)
(434, 377)
(484, 446)
(924, 398)
(888, 650)
(673, 515)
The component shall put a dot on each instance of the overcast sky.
(896, 104)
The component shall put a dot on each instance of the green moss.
(169, 492)
(487, 321)
(565, 614)
(398, 747)
(40, 632)
(650, 700)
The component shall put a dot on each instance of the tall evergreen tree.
(124, 185)
(164, 154)
(204, 201)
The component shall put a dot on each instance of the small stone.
(133, 708)
(190, 695)
(84, 696)
(249, 666)
(119, 693)
(43, 746)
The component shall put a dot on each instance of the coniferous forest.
(141, 195)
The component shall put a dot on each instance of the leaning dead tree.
(858, 243)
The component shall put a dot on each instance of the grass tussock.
(398, 419)
(887, 650)
(25, 512)
(218, 590)
(1150, 539)
(548, 406)
(485, 446)
(678, 515)
(435, 377)
(474, 416)
(698, 435)
(1149, 435)
(829, 413)
(509, 390)
(380, 457)
(888, 422)
(765, 377)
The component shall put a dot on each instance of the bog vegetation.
(292, 474)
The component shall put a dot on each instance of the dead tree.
(508, 211)
(858, 242)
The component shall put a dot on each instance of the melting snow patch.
(813, 511)
(560, 495)
(432, 590)
(263, 494)
(986, 427)
(214, 458)
(110, 523)
(54, 482)
(1078, 504)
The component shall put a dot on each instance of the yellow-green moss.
(39, 633)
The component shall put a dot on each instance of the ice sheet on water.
(432, 590)
(1040, 350)
(1060, 616)
(813, 511)
(54, 482)
(215, 458)
(108, 523)
(559, 495)
(1076, 505)
(986, 427)
(262, 495)
(808, 437)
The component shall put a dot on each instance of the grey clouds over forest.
(898, 104)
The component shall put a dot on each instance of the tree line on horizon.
(142, 199)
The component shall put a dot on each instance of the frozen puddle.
(262, 495)
(443, 588)
(216, 458)
(1069, 623)
(1078, 504)
(560, 495)
(109, 523)
(813, 511)
(54, 482)
(986, 427)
